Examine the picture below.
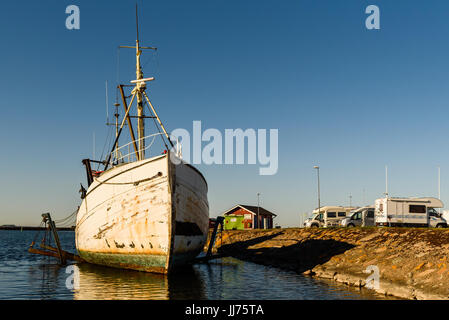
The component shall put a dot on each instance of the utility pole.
(439, 188)
(258, 206)
(318, 177)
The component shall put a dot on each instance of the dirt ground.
(410, 263)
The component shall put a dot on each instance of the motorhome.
(410, 212)
(360, 217)
(328, 216)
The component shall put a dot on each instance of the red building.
(248, 217)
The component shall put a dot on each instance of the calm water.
(28, 276)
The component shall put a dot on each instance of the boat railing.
(127, 152)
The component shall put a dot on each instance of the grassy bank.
(412, 262)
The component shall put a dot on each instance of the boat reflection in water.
(103, 283)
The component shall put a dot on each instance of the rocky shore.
(411, 263)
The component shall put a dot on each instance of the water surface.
(28, 276)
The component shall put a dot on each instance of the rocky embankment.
(411, 262)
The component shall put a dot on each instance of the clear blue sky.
(343, 97)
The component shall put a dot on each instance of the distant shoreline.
(32, 228)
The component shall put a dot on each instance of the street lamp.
(318, 177)
(258, 206)
(439, 188)
(439, 180)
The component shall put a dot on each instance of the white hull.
(148, 215)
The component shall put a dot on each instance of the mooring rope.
(37, 234)
(159, 174)
(68, 217)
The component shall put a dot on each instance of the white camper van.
(328, 216)
(410, 212)
(361, 217)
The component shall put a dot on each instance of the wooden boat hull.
(148, 215)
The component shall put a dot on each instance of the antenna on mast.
(93, 145)
(107, 103)
(137, 23)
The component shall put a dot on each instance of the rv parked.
(409, 212)
(361, 217)
(329, 216)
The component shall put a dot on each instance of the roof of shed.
(252, 209)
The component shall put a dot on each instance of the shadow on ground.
(298, 257)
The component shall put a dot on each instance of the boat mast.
(138, 93)
(140, 86)
(116, 115)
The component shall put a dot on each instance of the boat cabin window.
(342, 214)
(413, 208)
(331, 214)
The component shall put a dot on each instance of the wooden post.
(214, 234)
(52, 225)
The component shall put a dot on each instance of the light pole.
(439, 188)
(439, 193)
(318, 177)
(350, 201)
(257, 217)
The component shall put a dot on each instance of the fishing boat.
(141, 212)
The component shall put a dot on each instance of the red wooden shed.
(253, 217)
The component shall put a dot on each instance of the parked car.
(410, 212)
(361, 217)
(328, 216)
